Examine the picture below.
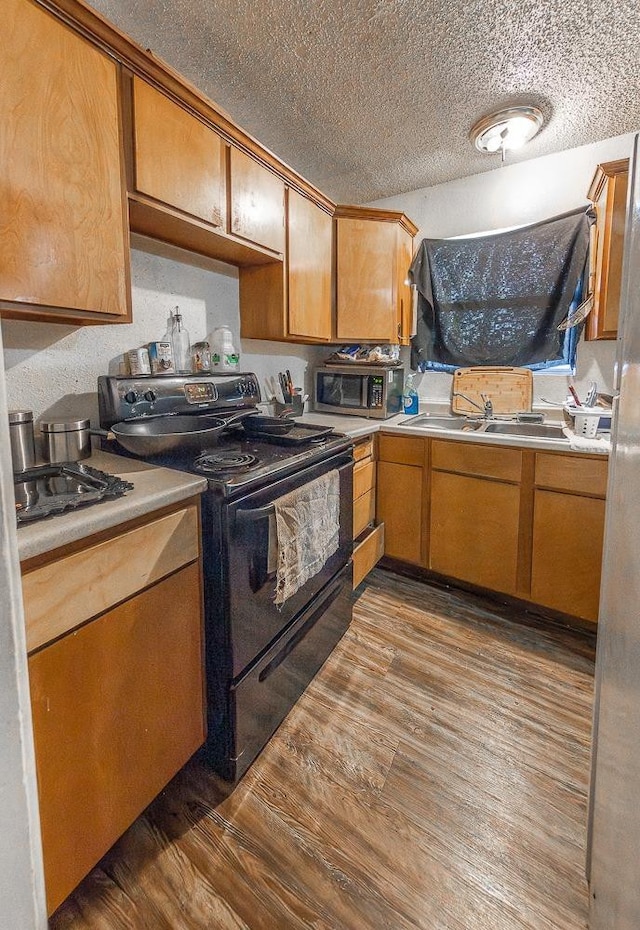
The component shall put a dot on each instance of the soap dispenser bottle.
(410, 400)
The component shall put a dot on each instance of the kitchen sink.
(537, 430)
(426, 421)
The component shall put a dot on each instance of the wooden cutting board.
(509, 389)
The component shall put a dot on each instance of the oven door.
(262, 698)
(253, 617)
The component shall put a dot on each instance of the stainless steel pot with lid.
(66, 440)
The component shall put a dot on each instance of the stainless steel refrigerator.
(613, 848)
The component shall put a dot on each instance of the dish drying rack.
(586, 420)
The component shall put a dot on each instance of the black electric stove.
(259, 656)
(235, 462)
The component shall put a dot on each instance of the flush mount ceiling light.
(506, 129)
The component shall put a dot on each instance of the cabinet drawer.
(368, 554)
(364, 478)
(404, 450)
(62, 594)
(364, 511)
(572, 473)
(482, 461)
(363, 449)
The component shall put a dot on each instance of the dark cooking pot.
(256, 424)
(156, 435)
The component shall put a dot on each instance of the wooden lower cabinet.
(474, 530)
(567, 553)
(118, 695)
(117, 711)
(517, 521)
(368, 537)
(401, 496)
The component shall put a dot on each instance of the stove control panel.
(129, 398)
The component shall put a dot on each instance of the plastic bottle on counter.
(410, 400)
(223, 352)
(181, 344)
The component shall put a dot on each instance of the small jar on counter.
(65, 440)
(139, 363)
(201, 357)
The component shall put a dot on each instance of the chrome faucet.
(488, 406)
(486, 409)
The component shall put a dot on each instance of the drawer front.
(364, 478)
(368, 554)
(572, 473)
(363, 449)
(63, 594)
(364, 512)
(404, 450)
(481, 461)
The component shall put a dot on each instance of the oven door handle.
(258, 513)
(247, 518)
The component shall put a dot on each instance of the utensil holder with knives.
(293, 409)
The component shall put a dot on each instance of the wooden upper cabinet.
(608, 193)
(178, 159)
(257, 202)
(63, 234)
(374, 250)
(291, 301)
(309, 253)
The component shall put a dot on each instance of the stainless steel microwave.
(361, 390)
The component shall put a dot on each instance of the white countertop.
(153, 488)
(401, 425)
(159, 487)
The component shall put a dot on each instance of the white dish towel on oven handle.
(308, 531)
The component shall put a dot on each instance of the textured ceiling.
(370, 98)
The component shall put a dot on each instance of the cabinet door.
(399, 506)
(609, 193)
(178, 159)
(309, 264)
(474, 530)
(405, 309)
(63, 232)
(567, 552)
(257, 202)
(367, 275)
(117, 710)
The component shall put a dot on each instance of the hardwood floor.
(433, 776)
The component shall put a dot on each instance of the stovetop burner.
(224, 463)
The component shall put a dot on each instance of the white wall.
(515, 195)
(52, 368)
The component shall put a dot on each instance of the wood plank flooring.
(433, 776)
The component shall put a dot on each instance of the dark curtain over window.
(498, 299)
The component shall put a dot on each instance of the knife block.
(294, 409)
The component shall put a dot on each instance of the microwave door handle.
(366, 392)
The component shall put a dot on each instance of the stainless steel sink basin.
(537, 430)
(426, 421)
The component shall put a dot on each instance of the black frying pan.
(258, 425)
(157, 435)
